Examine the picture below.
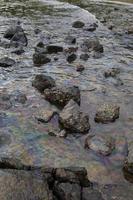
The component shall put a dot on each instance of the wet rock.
(57, 132)
(18, 96)
(93, 45)
(6, 62)
(72, 119)
(70, 40)
(10, 32)
(129, 160)
(78, 24)
(67, 191)
(107, 113)
(44, 115)
(76, 175)
(40, 58)
(54, 49)
(61, 95)
(92, 27)
(40, 44)
(91, 194)
(113, 72)
(20, 184)
(130, 30)
(100, 144)
(20, 38)
(71, 58)
(80, 68)
(84, 56)
(42, 82)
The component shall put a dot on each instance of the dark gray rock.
(40, 58)
(71, 58)
(78, 24)
(84, 56)
(20, 38)
(6, 62)
(72, 119)
(10, 32)
(61, 95)
(91, 194)
(42, 82)
(107, 113)
(54, 49)
(93, 45)
(18, 97)
(129, 160)
(67, 191)
(44, 115)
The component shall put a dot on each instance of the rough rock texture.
(107, 113)
(61, 95)
(78, 24)
(22, 185)
(40, 59)
(6, 62)
(72, 119)
(42, 82)
(101, 144)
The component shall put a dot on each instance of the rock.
(107, 113)
(40, 58)
(70, 40)
(84, 56)
(54, 49)
(10, 32)
(91, 194)
(72, 119)
(42, 82)
(130, 30)
(71, 58)
(45, 115)
(5, 103)
(101, 144)
(111, 72)
(6, 62)
(78, 24)
(20, 38)
(61, 95)
(93, 45)
(20, 184)
(67, 191)
(18, 96)
(57, 133)
(71, 50)
(80, 68)
(76, 175)
(40, 44)
(92, 27)
(129, 160)
(18, 51)
(37, 31)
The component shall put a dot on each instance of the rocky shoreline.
(65, 105)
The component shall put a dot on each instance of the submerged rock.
(111, 72)
(71, 58)
(40, 58)
(54, 49)
(6, 62)
(80, 68)
(42, 82)
(78, 24)
(84, 56)
(10, 32)
(101, 144)
(61, 95)
(107, 113)
(72, 119)
(67, 191)
(93, 45)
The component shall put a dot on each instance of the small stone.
(45, 115)
(72, 119)
(78, 24)
(130, 30)
(6, 62)
(54, 49)
(107, 113)
(80, 68)
(42, 82)
(101, 144)
(71, 58)
(37, 31)
(40, 59)
(61, 95)
(40, 44)
(57, 133)
(93, 45)
(84, 56)
(111, 72)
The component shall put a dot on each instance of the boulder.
(6, 62)
(113, 72)
(101, 144)
(107, 113)
(42, 82)
(72, 119)
(61, 95)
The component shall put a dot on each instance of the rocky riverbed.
(65, 101)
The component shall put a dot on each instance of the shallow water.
(29, 140)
